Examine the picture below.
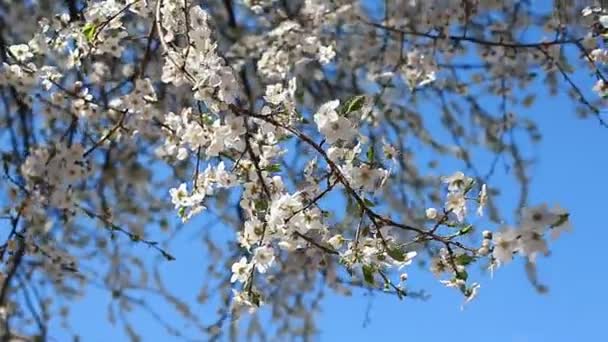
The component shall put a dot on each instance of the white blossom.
(431, 213)
(263, 258)
(241, 270)
(505, 244)
(333, 126)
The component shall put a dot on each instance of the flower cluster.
(188, 132)
(529, 238)
(197, 64)
(191, 203)
(289, 43)
(458, 187)
(52, 174)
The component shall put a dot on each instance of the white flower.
(241, 300)
(275, 94)
(289, 246)
(471, 293)
(439, 265)
(532, 243)
(457, 181)
(182, 200)
(326, 54)
(539, 216)
(333, 126)
(223, 178)
(454, 283)
(587, 11)
(21, 52)
(367, 178)
(562, 225)
(252, 232)
(483, 199)
(390, 152)
(263, 257)
(599, 55)
(483, 251)
(336, 241)
(505, 243)
(282, 208)
(179, 195)
(604, 20)
(431, 213)
(419, 70)
(601, 88)
(457, 204)
(240, 270)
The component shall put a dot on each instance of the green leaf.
(451, 224)
(462, 275)
(261, 204)
(368, 274)
(89, 31)
(207, 119)
(562, 219)
(182, 211)
(354, 104)
(464, 259)
(368, 202)
(465, 230)
(273, 168)
(396, 254)
(370, 154)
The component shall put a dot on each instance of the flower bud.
(431, 213)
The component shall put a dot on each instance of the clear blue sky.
(570, 171)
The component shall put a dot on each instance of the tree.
(299, 140)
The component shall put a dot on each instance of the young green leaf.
(465, 230)
(354, 104)
(368, 274)
(396, 254)
(464, 259)
(370, 154)
(463, 275)
(273, 168)
(89, 31)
